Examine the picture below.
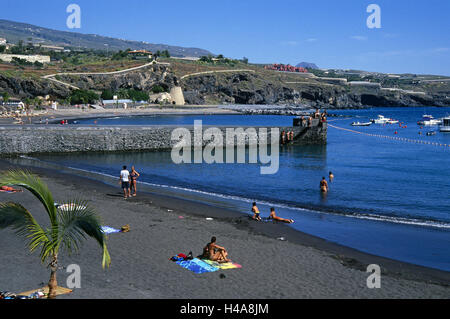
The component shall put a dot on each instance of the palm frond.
(76, 221)
(18, 218)
(32, 183)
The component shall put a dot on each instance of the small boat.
(384, 120)
(361, 124)
(432, 133)
(390, 121)
(445, 127)
(429, 120)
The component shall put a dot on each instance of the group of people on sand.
(128, 180)
(212, 251)
(273, 215)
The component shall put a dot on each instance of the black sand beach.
(301, 267)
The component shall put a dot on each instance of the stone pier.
(35, 139)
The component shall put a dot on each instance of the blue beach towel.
(109, 230)
(197, 266)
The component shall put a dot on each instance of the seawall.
(34, 139)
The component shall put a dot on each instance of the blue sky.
(333, 34)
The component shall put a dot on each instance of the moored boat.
(445, 127)
(361, 124)
(384, 120)
(429, 120)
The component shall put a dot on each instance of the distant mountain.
(16, 31)
(307, 65)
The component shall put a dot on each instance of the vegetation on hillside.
(132, 94)
(83, 97)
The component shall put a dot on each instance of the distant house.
(2, 41)
(141, 54)
(50, 47)
(12, 102)
(285, 68)
(366, 84)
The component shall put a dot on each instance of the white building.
(2, 41)
(29, 58)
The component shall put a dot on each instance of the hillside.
(16, 31)
(218, 83)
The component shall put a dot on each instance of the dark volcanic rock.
(249, 88)
(28, 88)
(143, 80)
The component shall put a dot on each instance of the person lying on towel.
(9, 189)
(214, 252)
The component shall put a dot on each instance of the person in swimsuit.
(255, 211)
(214, 252)
(324, 185)
(331, 176)
(274, 216)
(283, 137)
(133, 183)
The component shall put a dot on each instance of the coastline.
(334, 267)
(72, 113)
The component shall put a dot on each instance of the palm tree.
(68, 226)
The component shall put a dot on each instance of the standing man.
(125, 181)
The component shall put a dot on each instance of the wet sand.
(301, 267)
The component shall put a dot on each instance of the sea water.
(390, 195)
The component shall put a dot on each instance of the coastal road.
(50, 77)
(212, 72)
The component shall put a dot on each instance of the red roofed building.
(285, 68)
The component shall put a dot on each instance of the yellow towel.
(59, 291)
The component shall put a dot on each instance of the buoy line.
(402, 139)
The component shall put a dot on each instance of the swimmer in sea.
(324, 185)
(331, 176)
(275, 217)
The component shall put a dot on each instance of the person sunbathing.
(10, 189)
(274, 216)
(214, 252)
